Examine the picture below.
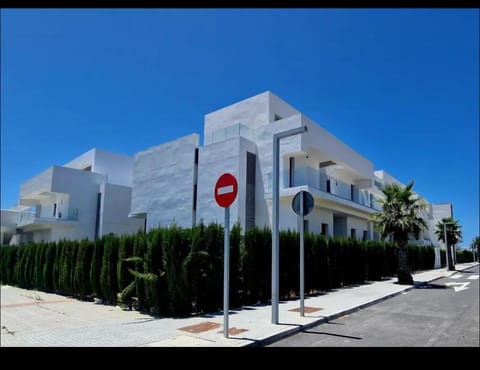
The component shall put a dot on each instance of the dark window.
(365, 235)
(250, 191)
(97, 217)
(353, 233)
(328, 186)
(353, 193)
(291, 179)
(194, 197)
(54, 209)
(324, 229)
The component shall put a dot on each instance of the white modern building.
(174, 182)
(86, 198)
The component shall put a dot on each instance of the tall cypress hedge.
(187, 266)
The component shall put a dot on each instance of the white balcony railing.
(328, 184)
(34, 216)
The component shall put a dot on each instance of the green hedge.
(187, 266)
(464, 256)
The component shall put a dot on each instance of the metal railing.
(328, 184)
(228, 132)
(34, 216)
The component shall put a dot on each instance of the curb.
(289, 332)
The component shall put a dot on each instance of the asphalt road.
(442, 313)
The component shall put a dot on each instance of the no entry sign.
(226, 190)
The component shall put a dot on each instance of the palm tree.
(476, 245)
(400, 216)
(454, 234)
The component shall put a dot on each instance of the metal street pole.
(226, 269)
(302, 260)
(275, 217)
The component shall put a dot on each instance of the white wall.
(357, 224)
(213, 161)
(252, 112)
(115, 206)
(118, 167)
(387, 178)
(329, 146)
(83, 188)
(280, 108)
(82, 161)
(40, 183)
(41, 236)
(290, 220)
(163, 182)
(324, 216)
(439, 211)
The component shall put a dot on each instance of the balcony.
(228, 132)
(33, 218)
(313, 178)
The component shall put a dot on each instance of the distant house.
(86, 198)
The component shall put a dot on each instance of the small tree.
(454, 234)
(400, 216)
(475, 247)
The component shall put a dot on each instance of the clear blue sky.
(400, 86)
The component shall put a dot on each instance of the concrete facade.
(344, 184)
(86, 198)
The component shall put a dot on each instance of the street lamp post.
(275, 208)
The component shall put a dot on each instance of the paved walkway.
(31, 318)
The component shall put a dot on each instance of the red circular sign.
(226, 190)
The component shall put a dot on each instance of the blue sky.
(400, 86)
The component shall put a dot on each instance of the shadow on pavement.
(332, 334)
(430, 286)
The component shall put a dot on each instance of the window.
(324, 229)
(195, 197)
(196, 155)
(250, 191)
(365, 235)
(54, 209)
(328, 186)
(291, 179)
(353, 233)
(379, 185)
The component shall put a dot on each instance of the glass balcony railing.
(34, 215)
(325, 183)
(228, 132)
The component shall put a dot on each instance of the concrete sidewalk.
(31, 318)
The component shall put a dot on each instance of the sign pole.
(275, 215)
(226, 271)
(302, 205)
(226, 189)
(302, 261)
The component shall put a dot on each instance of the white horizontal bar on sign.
(225, 190)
